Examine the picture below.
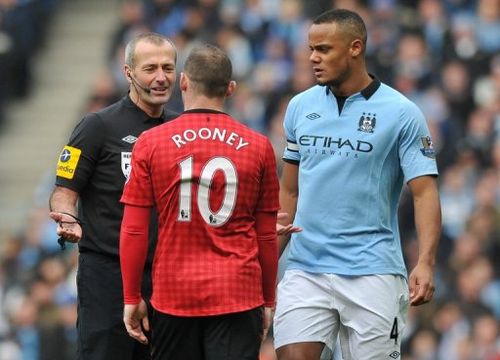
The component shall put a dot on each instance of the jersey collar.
(140, 113)
(204, 111)
(368, 91)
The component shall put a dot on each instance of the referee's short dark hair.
(209, 69)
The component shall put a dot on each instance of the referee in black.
(92, 170)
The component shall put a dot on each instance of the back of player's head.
(209, 69)
(349, 22)
(151, 37)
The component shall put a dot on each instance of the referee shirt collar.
(368, 91)
(127, 101)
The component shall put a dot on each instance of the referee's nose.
(161, 76)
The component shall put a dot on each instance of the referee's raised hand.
(69, 226)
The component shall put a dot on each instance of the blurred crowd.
(442, 54)
(23, 25)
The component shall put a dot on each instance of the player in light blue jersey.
(352, 143)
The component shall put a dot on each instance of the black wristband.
(77, 220)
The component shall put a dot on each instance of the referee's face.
(153, 77)
(330, 54)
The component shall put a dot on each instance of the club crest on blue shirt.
(367, 122)
(428, 148)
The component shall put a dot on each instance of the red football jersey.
(207, 174)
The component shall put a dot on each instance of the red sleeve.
(265, 223)
(133, 250)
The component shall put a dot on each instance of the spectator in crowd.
(465, 69)
(23, 26)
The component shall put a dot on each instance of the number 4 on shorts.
(394, 331)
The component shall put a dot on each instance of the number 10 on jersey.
(209, 169)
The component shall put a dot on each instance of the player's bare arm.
(268, 320)
(289, 192)
(62, 205)
(428, 224)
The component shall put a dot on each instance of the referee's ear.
(126, 71)
(231, 88)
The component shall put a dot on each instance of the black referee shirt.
(96, 162)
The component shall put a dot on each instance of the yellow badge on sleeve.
(68, 161)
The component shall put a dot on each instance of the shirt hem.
(208, 312)
(379, 271)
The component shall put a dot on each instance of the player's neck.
(352, 86)
(202, 102)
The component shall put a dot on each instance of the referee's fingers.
(55, 216)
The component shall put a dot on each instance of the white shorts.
(368, 313)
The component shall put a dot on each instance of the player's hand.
(421, 284)
(135, 318)
(67, 227)
(285, 230)
(268, 320)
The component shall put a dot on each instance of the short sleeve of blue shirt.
(292, 150)
(416, 151)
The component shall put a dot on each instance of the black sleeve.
(86, 140)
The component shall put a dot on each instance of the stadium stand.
(444, 55)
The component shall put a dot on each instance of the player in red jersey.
(215, 187)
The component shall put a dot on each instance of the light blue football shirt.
(352, 167)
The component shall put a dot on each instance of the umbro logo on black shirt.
(130, 139)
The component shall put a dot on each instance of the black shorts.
(234, 336)
(101, 332)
